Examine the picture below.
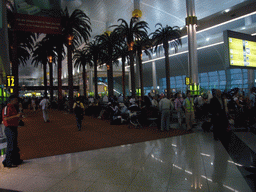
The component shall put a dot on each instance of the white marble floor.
(193, 162)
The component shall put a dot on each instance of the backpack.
(78, 109)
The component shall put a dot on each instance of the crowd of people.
(220, 110)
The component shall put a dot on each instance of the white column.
(90, 81)
(154, 75)
(192, 43)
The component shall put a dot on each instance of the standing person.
(79, 112)
(165, 106)
(33, 104)
(11, 121)
(45, 104)
(188, 105)
(219, 118)
(154, 102)
(178, 107)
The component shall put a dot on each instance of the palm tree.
(82, 57)
(143, 44)
(109, 43)
(58, 42)
(43, 51)
(21, 44)
(136, 30)
(76, 30)
(163, 35)
(123, 53)
(94, 49)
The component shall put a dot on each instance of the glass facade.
(223, 80)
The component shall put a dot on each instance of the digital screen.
(242, 52)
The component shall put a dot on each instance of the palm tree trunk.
(84, 80)
(51, 82)
(123, 75)
(141, 74)
(59, 77)
(167, 68)
(70, 79)
(132, 73)
(110, 79)
(95, 78)
(45, 79)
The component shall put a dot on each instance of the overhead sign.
(10, 81)
(37, 24)
(187, 81)
(240, 49)
(242, 52)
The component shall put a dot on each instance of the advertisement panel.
(240, 49)
(37, 24)
(37, 16)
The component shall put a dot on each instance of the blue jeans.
(165, 120)
(12, 154)
(79, 122)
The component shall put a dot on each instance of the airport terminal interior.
(189, 162)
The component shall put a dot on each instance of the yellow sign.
(187, 80)
(242, 52)
(10, 81)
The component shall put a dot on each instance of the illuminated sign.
(240, 49)
(187, 80)
(242, 52)
(10, 81)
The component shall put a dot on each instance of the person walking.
(188, 105)
(219, 117)
(79, 112)
(45, 105)
(178, 107)
(10, 118)
(165, 107)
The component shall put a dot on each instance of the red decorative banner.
(37, 24)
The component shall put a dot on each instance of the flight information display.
(242, 53)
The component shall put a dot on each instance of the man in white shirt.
(45, 104)
(165, 107)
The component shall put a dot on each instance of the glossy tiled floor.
(193, 162)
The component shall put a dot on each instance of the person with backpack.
(79, 112)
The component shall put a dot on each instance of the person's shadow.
(220, 164)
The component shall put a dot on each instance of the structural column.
(90, 81)
(191, 22)
(154, 75)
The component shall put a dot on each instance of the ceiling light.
(207, 39)
(243, 28)
(227, 10)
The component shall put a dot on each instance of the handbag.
(21, 123)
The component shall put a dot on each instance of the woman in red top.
(11, 121)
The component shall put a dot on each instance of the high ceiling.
(104, 13)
